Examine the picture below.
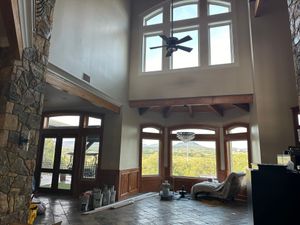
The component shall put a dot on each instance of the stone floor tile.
(150, 211)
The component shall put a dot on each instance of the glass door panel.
(91, 155)
(48, 153)
(46, 180)
(67, 153)
(65, 181)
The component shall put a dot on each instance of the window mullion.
(203, 34)
(166, 31)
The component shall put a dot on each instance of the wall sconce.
(23, 141)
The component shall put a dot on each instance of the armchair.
(226, 190)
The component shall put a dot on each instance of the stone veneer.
(294, 12)
(21, 104)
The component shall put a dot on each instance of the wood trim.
(152, 183)
(234, 137)
(209, 100)
(74, 89)
(215, 137)
(11, 18)
(128, 183)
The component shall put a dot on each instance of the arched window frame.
(155, 136)
(235, 137)
(198, 137)
(202, 23)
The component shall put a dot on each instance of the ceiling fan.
(172, 43)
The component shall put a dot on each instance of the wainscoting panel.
(128, 183)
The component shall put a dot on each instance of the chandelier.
(185, 136)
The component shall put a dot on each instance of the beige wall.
(229, 80)
(129, 153)
(274, 82)
(92, 37)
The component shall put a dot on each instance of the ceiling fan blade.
(187, 49)
(158, 47)
(186, 38)
(164, 37)
(169, 53)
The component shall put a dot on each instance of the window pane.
(67, 153)
(91, 155)
(150, 157)
(184, 12)
(46, 180)
(194, 159)
(299, 119)
(153, 57)
(220, 45)
(153, 19)
(196, 131)
(238, 155)
(64, 182)
(218, 8)
(237, 130)
(151, 130)
(183, 59)
(63, 121)
(94, 122)
(48, 153)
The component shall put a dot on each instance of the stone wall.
(294, 12)
(21, 104)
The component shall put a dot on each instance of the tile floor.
(150, 211)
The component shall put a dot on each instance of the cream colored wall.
(92, 37)
(111, 142)
(129, 156)
(274, 82)
(229, 80)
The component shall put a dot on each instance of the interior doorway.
(69, 154)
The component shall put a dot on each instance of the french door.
(57, 163)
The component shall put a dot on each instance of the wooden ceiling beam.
(208, 100)
(244, 106)
(10, 13)
(191, 112)
(76, 90)
(166, 111)
(218, 109)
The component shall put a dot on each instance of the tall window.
(237, 147)
(151, 149)
(196, 158)
(213, 24)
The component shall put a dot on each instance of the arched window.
(151, 150)
(196, 158)
(208, 22)
(237, 147)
